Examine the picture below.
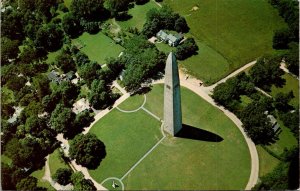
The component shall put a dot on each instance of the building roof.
(272, 119)
(162, 34)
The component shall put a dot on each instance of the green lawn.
(42, 183)
(138, 13)
(187, 164)
(266, 161)
(56, 162)
(292, 84)
(132, 103)
(233, 31)
(98, 47)
(164, 47)
(286, 140)
(127, 137)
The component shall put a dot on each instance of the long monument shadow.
(190, 132)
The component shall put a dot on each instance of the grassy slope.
(98, 47)
(292, 84)
(266, 162)
(138, 13)
(42, 183)
(127, 138)
(55, 162)
(192, 164)
(132, 103)
(237, 30)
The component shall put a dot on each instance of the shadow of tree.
(190, 132)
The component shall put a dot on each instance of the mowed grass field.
(266, 161)
(98, 47)
(138, 13)
(231, 32)
(187, 164)
(176, 163)
(127, 137)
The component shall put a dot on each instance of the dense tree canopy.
(87, 150)
(256, 124)
(80, 183)
(266, 72)
(65, 61)
(88, 10)
(100, 96)
(49, 37)
(163, 18)
(137, 71)
(9, 49)
(89, 72)
(62, 119)
(186, 49)
(62, 176)
(292, 58)
(71, 25)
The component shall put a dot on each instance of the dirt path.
(47, 177)
(210, 88)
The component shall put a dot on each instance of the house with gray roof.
(172, 40)
(275, 125)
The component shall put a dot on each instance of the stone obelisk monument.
(172, 100)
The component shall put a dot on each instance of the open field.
(127, 137)
(292, 84)
(176, 162)
(98, 47)
(56, 162)
(132, 103)
(175, 170)
(138, 13)
(266, 161)
(238, 30)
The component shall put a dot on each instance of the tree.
(87, 150)
(6, 179)
(11, 25)
(117, 6)
(7, 111)
(71, 25)
(65, 61)
(16, 83)
(88, 10)
(49, 37)
(62, 119)
(291, 120)
(80, 183)
(89, 72)
(266, 72)
(66, 92)
(281, 38)
(83, 119)
(282, 101)
(181, 25)
(9, 50)
(35, 125)
(62, 176)
(186, 49)
(256, 124)
(41, 84)
(292, 58)
(29, 183)
(99, 97)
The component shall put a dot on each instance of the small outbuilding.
(172, 40)
(275, 125)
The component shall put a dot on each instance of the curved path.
(131, 111)
(193, 85)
